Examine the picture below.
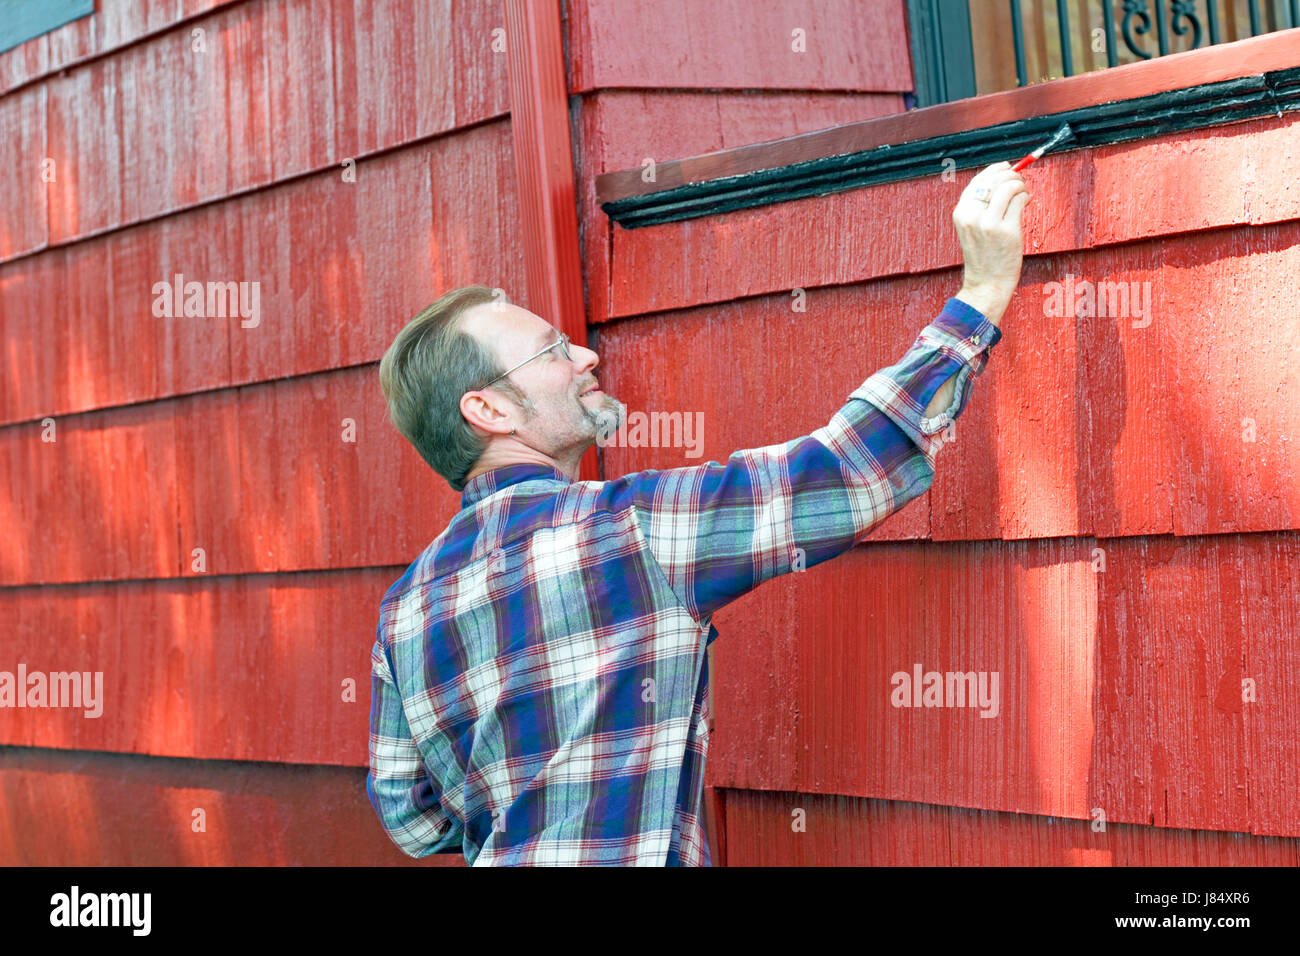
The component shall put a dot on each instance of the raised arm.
(721, 530)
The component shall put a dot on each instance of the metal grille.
(959, 47)
(1123, 30)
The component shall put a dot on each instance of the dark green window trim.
(942, 61)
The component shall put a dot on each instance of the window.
(966, 48)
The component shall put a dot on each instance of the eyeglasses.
(563, 342)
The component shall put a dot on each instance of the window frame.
(942, 45)
(943, 60)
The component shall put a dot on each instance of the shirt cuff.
(957, 343)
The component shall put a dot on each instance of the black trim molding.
(1195, 107)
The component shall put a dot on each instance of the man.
(540, 673)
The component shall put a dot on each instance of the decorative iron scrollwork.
(1183, 18)
(1135, 8)
(1180, 10)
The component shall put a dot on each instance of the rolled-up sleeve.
(719, 531)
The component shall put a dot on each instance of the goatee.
(609, 418)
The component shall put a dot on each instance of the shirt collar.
(490, 482)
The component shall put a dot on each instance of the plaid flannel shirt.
(540, 676)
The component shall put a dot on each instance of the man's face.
(563, 417)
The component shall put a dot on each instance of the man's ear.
(483, 415)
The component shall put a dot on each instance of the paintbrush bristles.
(1062, 135)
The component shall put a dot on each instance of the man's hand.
(992, 244)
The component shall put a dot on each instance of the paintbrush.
(1062, 135)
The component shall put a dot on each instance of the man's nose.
(586, 358)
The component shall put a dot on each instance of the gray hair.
(427, 369)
